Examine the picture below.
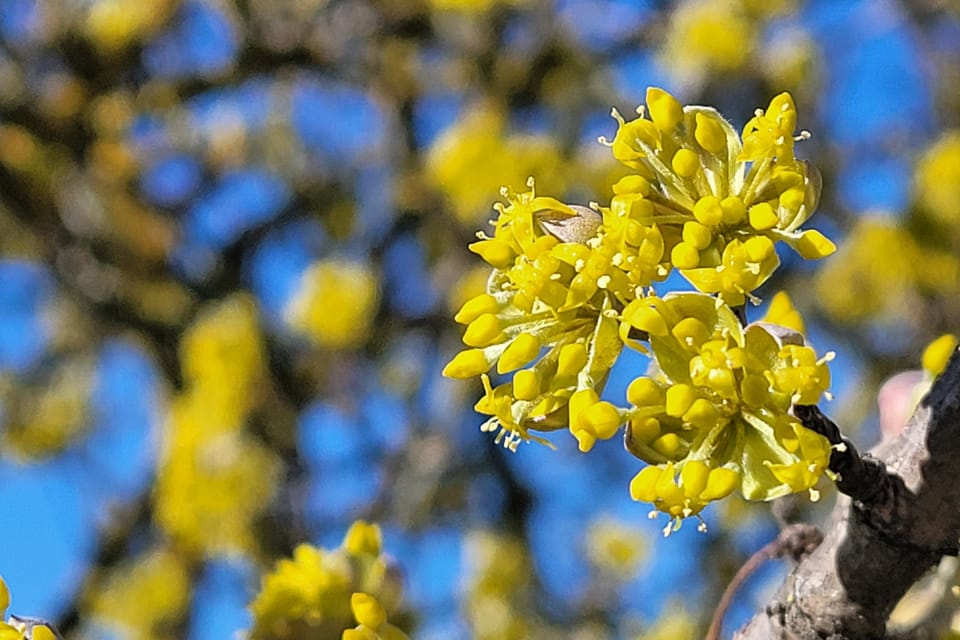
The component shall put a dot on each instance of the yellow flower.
(335, 303)
(937, 180)
(720, 400)
(685, 495)
(782, 312)
(615, 547)
(476, 156)
(571, 287)
(691, 46)
(345, 592)
(731, 200)
(146, 592)
(212, 477)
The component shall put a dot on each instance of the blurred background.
(233, 235)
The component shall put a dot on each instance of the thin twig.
(795, 541)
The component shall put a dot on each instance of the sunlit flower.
(714, 415)
(348, 592)
(571, 287)
(858, 285)
(731, 199)
(691, 46)
(498, 599)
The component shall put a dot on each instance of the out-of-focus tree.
(233, 236)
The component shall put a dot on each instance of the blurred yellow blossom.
(471, 6)
(614, 547)
(114, 24)
(349, 592)
(858, 285)
(497, 604)
(674, 623)
(43, 423)
(470, 284)
(782, 312)
(213, 478)
(476, 156)
(692, 45)
(937, 180)
(142, 598)
(335, 304)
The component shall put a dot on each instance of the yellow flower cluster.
(497, 603)
(348, 592)
(142, 598)
(615, 548)
(113, 24)
(857, 286)
(44, 422)
(675, 622)
(20, 629)
(721, 203)
(691, 48)
(938, 180)
(714, 416)
(571, 286)
(212, 477)
(348, 287)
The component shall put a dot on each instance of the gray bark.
(875, 549)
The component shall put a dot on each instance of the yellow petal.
(643, 487)
(484, 331)
(665, 110)
(720, 483)
(497, 253)
(524, 348)
(679, 398)
(694, 477)
(935, 358)
(467, 364)
(644, 392)
(762, 216)
(685, 163)
(709, 133)
(363, 538)
(813, 245)
(526, 384)
(708, 211)
(367, 610)
(475, 307)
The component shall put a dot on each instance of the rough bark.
(875, 548)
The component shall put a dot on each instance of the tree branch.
(901, 516)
